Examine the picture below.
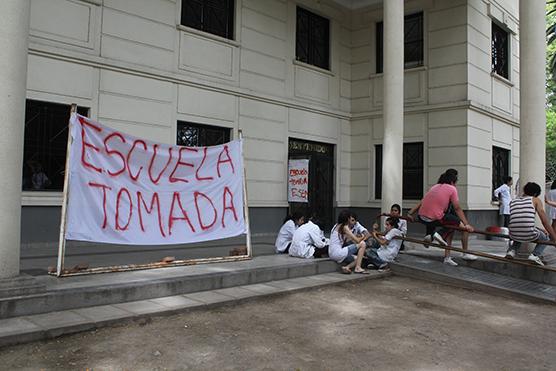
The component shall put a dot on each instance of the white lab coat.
(503, 193)
(305, 239)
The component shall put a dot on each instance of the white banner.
(298, 181)
(126, 190)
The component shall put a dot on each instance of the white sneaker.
(510, 254)
(438, 238)
(448, 260)
(469, 257)
(427, 239)
(535, 259)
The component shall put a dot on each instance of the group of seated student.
(349, 243)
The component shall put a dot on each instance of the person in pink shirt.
(440, 207)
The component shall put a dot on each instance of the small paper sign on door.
(298, 180)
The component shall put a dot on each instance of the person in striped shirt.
(522, 223)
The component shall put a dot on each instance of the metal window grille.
(195, 135)
(212, 16)
(413, 172)
(499, 49)
(312, 44)
(500, 166)
(378, 171)
(413, 42)
(45, 145)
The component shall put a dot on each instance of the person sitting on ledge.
(308, 241)
(385, 249)
(285, 235)
(522, 223)
(344, 254)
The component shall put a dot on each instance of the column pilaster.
(393, 108)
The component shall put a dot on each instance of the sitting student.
(439, 208)
(356, 228)
(385, 249)
(395, 212)
(344, 254)
(284, 239)
(308, 241)
(522, 223)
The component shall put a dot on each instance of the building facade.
(300, 79)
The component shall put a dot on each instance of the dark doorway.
(321, 179)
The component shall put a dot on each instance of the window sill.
(41, 198)
(314, 68)
(206, 35)
(502, 79)
(95, 2)
(406, 70)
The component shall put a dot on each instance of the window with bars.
(312, 39)
(413, 42)
(212, 16)
(413, 173)
(196, 135)
(499, 50)
(45, 145)
(500, 167)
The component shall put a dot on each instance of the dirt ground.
(388, 324)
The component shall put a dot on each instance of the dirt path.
(388, 324)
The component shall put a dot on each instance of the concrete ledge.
(493, 266)
(461, 276)
(44, 326)
(112, 288)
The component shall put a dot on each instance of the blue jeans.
(538, 249)
(372, 254)
(352, 250)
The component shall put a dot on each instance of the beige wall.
(140, 72)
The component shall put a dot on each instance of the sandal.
(346, 270)
(362, 272)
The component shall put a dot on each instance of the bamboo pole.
(63, 218)
(136, 267)
(245, 204)
(477, 231)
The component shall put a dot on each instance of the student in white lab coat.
(308, 241)
(503, 193)
(385, 248)
(285, 235)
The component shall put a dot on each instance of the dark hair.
(532, 189)
(507, 179)
(393, 221)
(343, 219)
(553, 185)
(295, 216)
(352, 214)
(450, 176)
(343, 216)
(318, 223)
(397, 207)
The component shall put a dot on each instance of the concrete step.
(466, 277)
(49, 325)
(528, 273)
(113, 288)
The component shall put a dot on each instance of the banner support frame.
(63, 218)
(245, 204)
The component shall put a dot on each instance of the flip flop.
(362, 272)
